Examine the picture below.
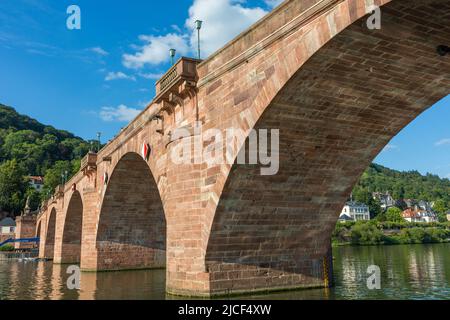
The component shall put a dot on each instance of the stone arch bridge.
(336, 90)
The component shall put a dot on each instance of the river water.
(407, 272)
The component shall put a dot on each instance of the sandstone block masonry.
(337, 92)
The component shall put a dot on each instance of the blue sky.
(99, 77)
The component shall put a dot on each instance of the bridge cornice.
(286, 18)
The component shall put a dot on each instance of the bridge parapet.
(59, 191)
(88, 163)
(177, 84)
(281, 21)
(183, 72)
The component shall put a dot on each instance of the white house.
(7, 226)
(354, 211)
(418, 215)
(386, 200)
(37, 182)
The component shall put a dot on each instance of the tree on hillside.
(12, 187)
(54, 176)
(36, 146)
(403, 185)
(73, 149)
(441, 207)
(35, 198)
(394, 214)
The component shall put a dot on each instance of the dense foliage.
(28, 147)
(13, 186)
(7, 247)
(375, 232)
(392, 214)
(402, 185)
(35, 146)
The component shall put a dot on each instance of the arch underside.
(49, 247)
(72, 233)
(132, 228)
(335, 115)
(38, 230)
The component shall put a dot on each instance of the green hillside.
(409, 184)
(37, 147)
(402, 185)
(28, 147)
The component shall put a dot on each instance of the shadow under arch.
(49, 246)
(72, 230)
(132, 225)
(38, 230)
(335, 114)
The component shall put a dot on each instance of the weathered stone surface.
(337, 91)
(25, 228)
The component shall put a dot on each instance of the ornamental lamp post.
(198, 26)
(172, 53)
(99, 134)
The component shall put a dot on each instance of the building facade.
(37, 182)
(354, 211)
(386, 200)
(417, 214)
(7, 229)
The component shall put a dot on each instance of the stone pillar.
(42, 235)
(88, 260)
(58, 238)
(25, 228)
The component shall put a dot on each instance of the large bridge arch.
(336, 110)
(68, 250)
(131, 231)
(38, 230)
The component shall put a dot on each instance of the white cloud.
(390, 147)
(151, 76)
(222, 21)
(156, 50)
(118, 75)
(99, 51)
(442, 142)
(121, 113)
(144, 104)
(176, 28)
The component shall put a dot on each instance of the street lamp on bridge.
(172, 53)
(198, 26)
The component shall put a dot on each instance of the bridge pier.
(308, 273)
(227, 279)
(90, 216)
(25, 228)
